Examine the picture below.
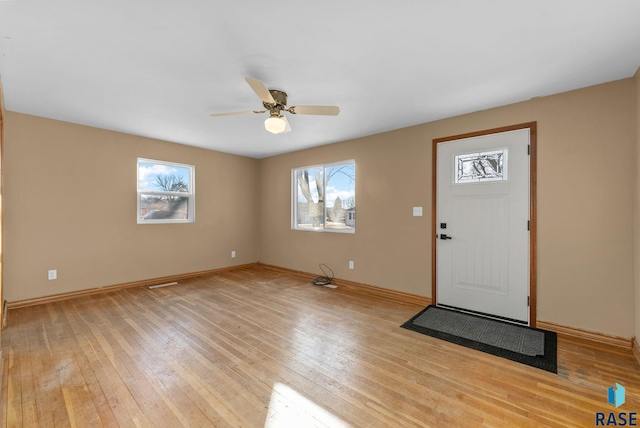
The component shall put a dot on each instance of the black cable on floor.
(326, 279)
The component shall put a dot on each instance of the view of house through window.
(165, 192)
(324, 197)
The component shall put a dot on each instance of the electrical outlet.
(417, 211)
(52, 274)
(350, 264)
(233, 254)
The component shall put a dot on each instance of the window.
(165, 192)
(324, 197)
(483, 166)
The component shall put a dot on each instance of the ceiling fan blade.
(238, 112)
(288, 127)
(319, 110)
(261, 90)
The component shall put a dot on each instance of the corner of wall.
(635, 349)
(636, 201)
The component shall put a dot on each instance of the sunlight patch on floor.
(289, 408)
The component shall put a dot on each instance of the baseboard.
(636, 349)
(371, 290)
(393, 295)
(600, 338)
(385, 293)
(98, 290)
(398, 296)
(287, 270)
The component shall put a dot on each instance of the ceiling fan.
(275, 102)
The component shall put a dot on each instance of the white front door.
(482, 224)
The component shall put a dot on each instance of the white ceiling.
(159, 68)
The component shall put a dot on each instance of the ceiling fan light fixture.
(275, 124)
(275, 102)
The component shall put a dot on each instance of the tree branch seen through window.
(165, 192)
(324, 197)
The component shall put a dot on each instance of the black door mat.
(526, 345)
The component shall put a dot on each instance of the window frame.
(294, 197)
(191, 195)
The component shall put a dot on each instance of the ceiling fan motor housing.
(275, 102)
(280, 98)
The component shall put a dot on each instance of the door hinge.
(528, 301)
(529, 149)
(528, 224)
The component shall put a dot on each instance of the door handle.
(443, 236)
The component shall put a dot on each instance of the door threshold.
(483, 314)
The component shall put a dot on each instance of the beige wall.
(585, 206)
(2, 113)
(636, 200)
(70, 205)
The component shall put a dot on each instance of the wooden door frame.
(3, 315)
(532, 126)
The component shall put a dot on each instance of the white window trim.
(191, 195)
(294, 198)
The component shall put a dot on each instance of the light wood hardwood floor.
(255, 347)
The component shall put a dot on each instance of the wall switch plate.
(233, 254)
(417, 211)
(350, 264)
(52, 274)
